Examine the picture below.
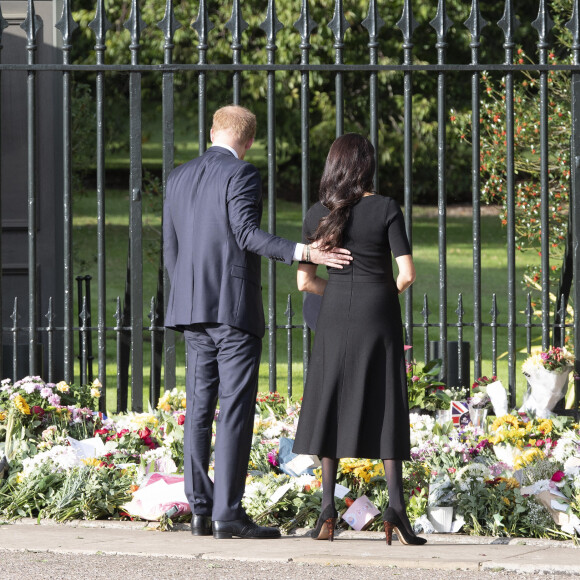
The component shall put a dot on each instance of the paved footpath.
(126, 549)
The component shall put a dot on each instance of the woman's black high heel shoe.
(324, 529)
(393, 522)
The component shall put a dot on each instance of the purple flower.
(46, 392)
(29, 388)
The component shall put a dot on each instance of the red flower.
(181, 419)
(38, 411)
(144, 433)
(558, 476)
(101, 431)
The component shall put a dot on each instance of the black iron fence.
(23, 30)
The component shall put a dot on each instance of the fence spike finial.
(49, 315)
(118, 314)
(100, 25)
(15, 317)
(460, 310)
(31, 25)
(289, 313)
(169, 24)
(407, 24)
(573, 25)
(441, 23)
(475, 23)
(202, 25)
(67, 24)
(373, 22)
(305, 25)
(339, 24)
(135, 25)
(425, 312)
(236, 25)
(271, 25)
(509, 24)
(543, 24)
(494, 309)
(152, 313)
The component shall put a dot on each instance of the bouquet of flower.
(172, 401)
(479, 397)
(271, 404)
(556, 359)
(547, 374)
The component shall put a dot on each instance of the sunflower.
(21, 404)
(507, 421)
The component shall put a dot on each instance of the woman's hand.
(406, 272)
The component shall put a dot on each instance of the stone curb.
(443, 552)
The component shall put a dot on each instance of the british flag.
(459, 412)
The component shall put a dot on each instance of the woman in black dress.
(355, 399)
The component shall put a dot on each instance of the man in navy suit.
(212, 248)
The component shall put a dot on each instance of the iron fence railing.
(130, 331)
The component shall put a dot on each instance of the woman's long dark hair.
(348, 175)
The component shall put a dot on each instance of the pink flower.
(558, 476)
(54, 400)
(273, 457)
(181, 419)
(415, 378)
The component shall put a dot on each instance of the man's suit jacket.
(212, 243)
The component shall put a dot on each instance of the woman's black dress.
(355, 399)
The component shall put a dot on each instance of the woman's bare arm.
(406, 272)
(308, 281)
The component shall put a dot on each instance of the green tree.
(527, 148)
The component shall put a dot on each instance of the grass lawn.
(425, 228)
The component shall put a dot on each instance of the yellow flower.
(91, 461)
(62, 387)
(2, 416)
(95, 392)
(183, 403)
(506, 501)
(97, 384)
(21, 404)
(512, 483)
(528, 457)
(20, 477)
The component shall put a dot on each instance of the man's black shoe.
(243, 528)
(201, 525)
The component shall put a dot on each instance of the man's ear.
(249, 143)
(211, 134)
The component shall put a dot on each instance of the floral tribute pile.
(519, 476)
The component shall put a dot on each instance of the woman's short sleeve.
(310, 224)
(395, 223)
